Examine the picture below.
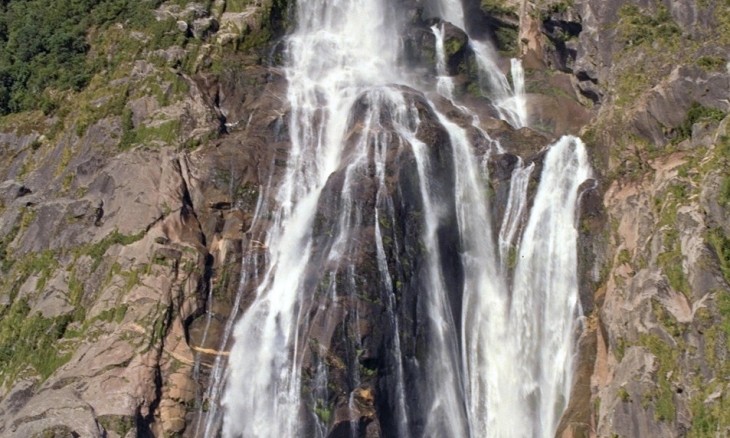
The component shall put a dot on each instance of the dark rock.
(12, 190)
(561, 28)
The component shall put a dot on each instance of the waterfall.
(444, 84)
(545, 301)
(497, 306)
(519, 102)
(330, 62)
(522, 353)
(509, 100)
(513, 214)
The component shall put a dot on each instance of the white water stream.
(505, 369)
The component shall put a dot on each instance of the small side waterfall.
(444, 84)
(508, 99)
(519, 102)
(513, 215)
(545, 303)
(383, 217)
(520, 358)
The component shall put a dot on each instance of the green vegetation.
(31, 344)
(710, 406)
(695, 114)
(723, 159)
(637, 27)
(42, 263)
(623, 394)
(323, 412)
(273, 21)
(659, 39)
(708, 419)
(42, 44)
(30, 341)
(113, 104)
(712, 63)
(723, 307)
(97, 250)
(507, 40)
(668, 321)
(671, 262)
(512, 257)
(560, 7)
(44, 47)
(716, 237)
(721, 246)
(55, 432)
(624, 257)
(160, 325)
(6, 261)
(620, 350)
(497, 7)
(167, 132)
(116, 423)
(663, 395)
(115, 314)
(506, 35)
(724, 197)
(452, 46)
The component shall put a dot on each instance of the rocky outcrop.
(657, 268)
(122, 219)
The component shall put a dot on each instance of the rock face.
(118, 218)
(125, 216)
(661, 285)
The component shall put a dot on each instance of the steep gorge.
(131, 208)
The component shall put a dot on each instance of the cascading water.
(494, 356)
(513, 214)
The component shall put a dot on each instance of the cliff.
(128, 190)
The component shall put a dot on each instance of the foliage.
(671, 262)
(44, 46)
(623, 394)
(560, 7)
(723, 158)
(709, 418)
(695, 114)
(663, 396)
(660, 41)
(637, 27)
(42, 263)
(6, 260)
(117, 423)
(168, 132)
(723, 306)
(323, 412)
(721, 245)
(497, 7)
(30, 341)
(624, 257)
(507, 40)
(711, 63)
(97, 250)
(710, 412)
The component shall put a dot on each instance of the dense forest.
(44, 50)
